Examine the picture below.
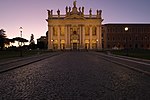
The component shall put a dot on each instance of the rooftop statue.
(66, 9)
(90, 11)
(97, 12)
(74, 9)
(83, 10)
(100, 12)
(74, 3)
(51, 12)
(58, 12)
(79, 9)
(69, 9)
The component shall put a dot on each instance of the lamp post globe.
(126, 28)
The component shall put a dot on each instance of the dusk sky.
(31, 14)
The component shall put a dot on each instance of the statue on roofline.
(97, 12)
(100, 12)
(83, 10)
(58, 12)
(79, 9)
(51, 12)
(69, 9)
(74, 3)
(66, 9)
(90, 11)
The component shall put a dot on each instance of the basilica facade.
(75, 29)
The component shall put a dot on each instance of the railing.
(63, 16)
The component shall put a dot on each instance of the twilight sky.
(31, 14)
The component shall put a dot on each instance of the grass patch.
(137, 53)
(5, 54)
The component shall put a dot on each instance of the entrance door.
(75, 46)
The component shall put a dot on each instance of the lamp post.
(126, 29)
(21, 29)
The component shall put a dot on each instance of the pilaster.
(66, 33)
(80, 32)
(50, 37)
(98, 36)
(83, 36)
(90, 37)
(58, 36)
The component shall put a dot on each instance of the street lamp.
(126, 29)
(21, 29)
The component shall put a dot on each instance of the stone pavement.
(74, 76)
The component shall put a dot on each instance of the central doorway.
(75, 46)
(74, 40)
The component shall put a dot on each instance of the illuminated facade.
(74, 29)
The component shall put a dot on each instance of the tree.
(32, 43)
(2, 38)
(32, 39)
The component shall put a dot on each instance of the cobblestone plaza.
(74, 76)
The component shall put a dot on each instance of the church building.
(75, 29)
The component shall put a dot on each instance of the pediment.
(74, 16)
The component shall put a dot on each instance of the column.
(69, 26)
(58, 37)
(66, 33)
(50, 37)
(98, 37)
(80, 32)
(83, 36)
(90, 37)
